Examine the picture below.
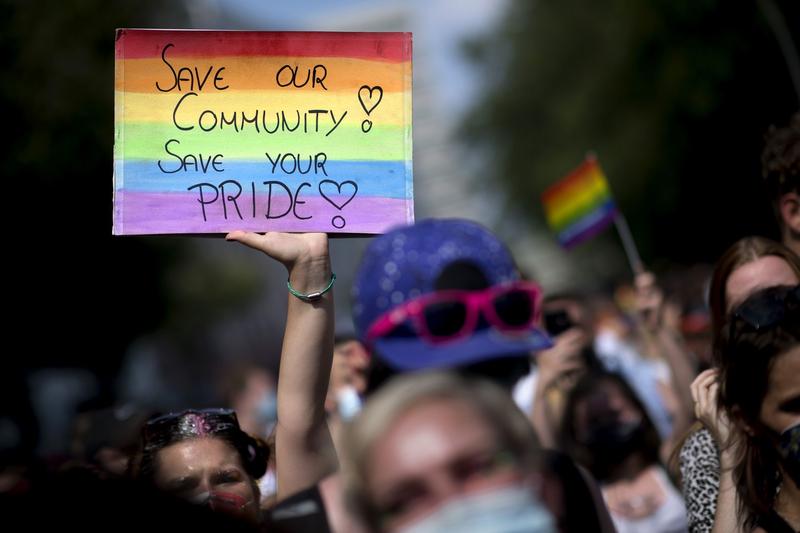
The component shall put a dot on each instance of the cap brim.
(414, 353)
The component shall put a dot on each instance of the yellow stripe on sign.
(143, 107)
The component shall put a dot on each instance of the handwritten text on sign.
(263, 131)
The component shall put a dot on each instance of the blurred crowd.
(466, 398)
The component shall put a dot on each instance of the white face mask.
(348, 402)
(506, 510)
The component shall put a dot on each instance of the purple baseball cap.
(405, 263)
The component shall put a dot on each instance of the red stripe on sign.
(389, 46)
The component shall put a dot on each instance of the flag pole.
(628, 243)
(634, 260)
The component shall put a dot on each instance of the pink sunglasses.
(449, 315)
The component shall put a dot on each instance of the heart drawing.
(329, 185)
(365, 97)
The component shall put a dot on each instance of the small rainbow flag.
(579, 206)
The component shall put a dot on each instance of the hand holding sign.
(289, 249)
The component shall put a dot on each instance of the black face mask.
(789, 451)
(611, 441)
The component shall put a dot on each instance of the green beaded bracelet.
(314, 296)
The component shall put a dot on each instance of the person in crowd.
(750, 264)
(348, 383)
(780, 163)
(105, 439)
(650, 353)
(554, 371)
(308, 488)
(250, 390)
(203, 456)
(348, 376)
(445, 294)
(304, 452)
(435, 452)
(759, 390)
(606, 429)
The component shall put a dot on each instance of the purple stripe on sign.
(161, 213)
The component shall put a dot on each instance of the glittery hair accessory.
(190, 423)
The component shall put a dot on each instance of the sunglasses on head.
(766, 310)
(448, 315)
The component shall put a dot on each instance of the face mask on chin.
(612, 442)
(505, 510)
(348, 402)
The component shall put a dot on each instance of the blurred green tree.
(673, 96)
(78, 296)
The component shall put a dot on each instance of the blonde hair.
(491, 403)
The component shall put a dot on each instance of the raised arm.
(556, 366)
(303, 445)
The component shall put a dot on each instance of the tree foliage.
(673, 96)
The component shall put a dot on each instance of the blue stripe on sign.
(385, 179)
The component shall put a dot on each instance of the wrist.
(310, 274)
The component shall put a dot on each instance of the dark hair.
(780, 162)
(743, 251)
(748, 354)
(569, 442)
(162, 431)
(740, 253)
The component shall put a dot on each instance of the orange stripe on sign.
(261, 73)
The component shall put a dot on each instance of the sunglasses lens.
(445, 319)
(762, 313)
(514, 308)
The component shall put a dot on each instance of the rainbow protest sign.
(262, 131)
(579, 206)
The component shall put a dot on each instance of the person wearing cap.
(446, 295)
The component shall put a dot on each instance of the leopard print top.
(699, 462)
